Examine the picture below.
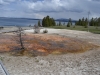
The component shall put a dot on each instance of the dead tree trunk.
(20, 38)
(19, 33)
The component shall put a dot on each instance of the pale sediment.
(87, 63)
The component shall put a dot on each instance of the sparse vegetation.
(36, 29)
(37, 61)
(45, 31)
(80, 28)
(74, 26)
(1, 58)
(20, 48)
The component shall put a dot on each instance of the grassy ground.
(81, 28)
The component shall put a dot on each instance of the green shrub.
(45, 31)
(86, 26)
(68, 24)
(1, 58)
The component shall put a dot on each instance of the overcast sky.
(74, 9)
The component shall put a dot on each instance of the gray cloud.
(2, 2)
(55, 8)
(95, 0)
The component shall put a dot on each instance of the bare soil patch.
(44, 44)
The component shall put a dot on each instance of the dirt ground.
(87, 63)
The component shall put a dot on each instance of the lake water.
(19, 22)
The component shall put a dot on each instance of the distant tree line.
(92, 22)
(47, 21)
(95, 22)
(68, 24)
(82, 22)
